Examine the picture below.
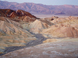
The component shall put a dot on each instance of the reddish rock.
(24, 13)
(17, 15)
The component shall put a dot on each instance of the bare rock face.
(17, 15)
(6, 12)
(24, 13)
(66, 48)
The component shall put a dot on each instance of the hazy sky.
(48, 2)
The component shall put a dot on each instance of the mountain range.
(40, 8)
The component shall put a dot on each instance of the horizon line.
(38, 3)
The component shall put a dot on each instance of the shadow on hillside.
(40, 39)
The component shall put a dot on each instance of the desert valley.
(30, 34)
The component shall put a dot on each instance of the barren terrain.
(41, 36)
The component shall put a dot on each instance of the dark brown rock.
(17, 15)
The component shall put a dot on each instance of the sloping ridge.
(39, 24)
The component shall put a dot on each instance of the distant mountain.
(40, 8)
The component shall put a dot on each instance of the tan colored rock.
(1, 52)
(51, 40)
(15, 41)
(38, 25)
(22, 41)
(3, 44)
(10, 41)
(28, 19)
(19, 41)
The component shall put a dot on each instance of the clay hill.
(40, 8)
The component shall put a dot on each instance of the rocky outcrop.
(24, 13)
(7, 12)
(17, 15)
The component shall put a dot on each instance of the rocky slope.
(40, 8)
(11, 30)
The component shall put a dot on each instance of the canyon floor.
(63, 48)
